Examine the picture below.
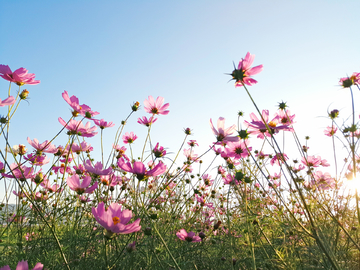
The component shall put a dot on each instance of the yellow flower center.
(272, 124)
(116, 220)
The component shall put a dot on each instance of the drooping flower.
(129, 137)
(19, 76)
(189, 237)
(81, 188)
(242, 74)
(23, 265)
(103, 124)
(139, 169)
(147, 122)
(156, 107)
(222, 134)
(114, 219)
(8, 101)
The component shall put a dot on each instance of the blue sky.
(113, 53)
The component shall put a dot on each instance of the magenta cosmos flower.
(8, 101)
(45, 147)
(80, 188)
(258, 126)
(103, 124)
(239, 149)
(139, 169)
(189, 237)
(19, 76)
(114, 220)
(146, 122)
(223, 134)
(242, 74)
(97, 168)
(23, 265)
(156, 107)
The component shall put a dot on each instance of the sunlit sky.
(113, 53)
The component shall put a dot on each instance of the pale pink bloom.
(129, 137)
(97, 168)
(45, 147)
(83, 199)
(114, 219)
(23, 265)
(19, 76)
(261, 155)
(286, 119)
(8, 101)
(62, 169)
(189, 154)
(80, 188)
(298, 169)
(354, 79)
(258, 126)
(110, 180)
(242, 74)
(207, 180)
(189, 237)
(279, 159)
(51, 188)
(324, 181)
(312, 161)
(203, 202)
(139, 169)
(83, 109)
(78, 128)
(83, 147)
(222, 134)
(156, 107)
(330, 131)
(238, 149)
(146, 122)
(20, 173)
(103, 124)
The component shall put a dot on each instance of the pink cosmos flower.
(20, 173)
(73, 101)
(45, 147)
(311, 161)
(156, 107)
(103, 124)
(189, 154)
(147, 122)
(279, 159)
(192, 143)
(230, 180)
(222, 134)
(159, 151)
(37, 160)
(19, 76)
(139, 169)
(242, 74)
(8, 101)
(238, 149)
(324, 181)
(77, 127)
(207, 180)
(83, 147)
(129, 137)
(189, 237)
(257, 126)
(330, 131)
(354, 79)
(51, 188)
(286, 119)
(114, 220)
(97, 168)
(80, 188)
(23, 265)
